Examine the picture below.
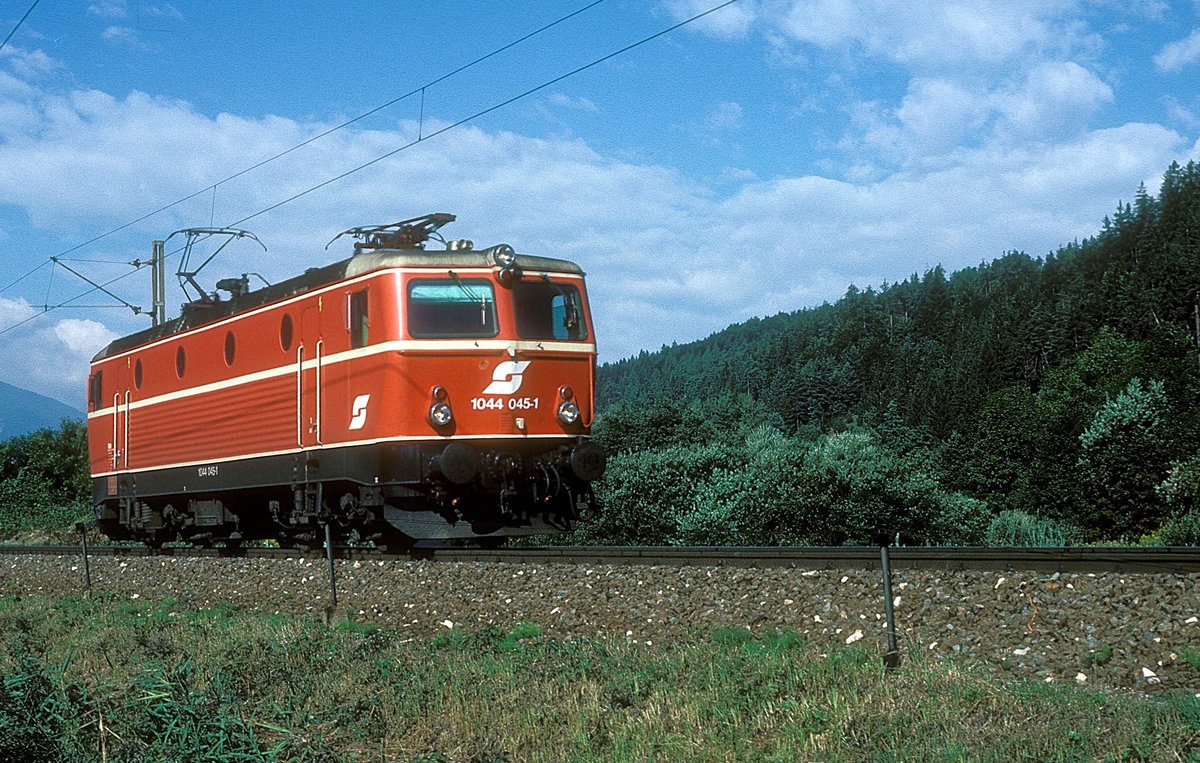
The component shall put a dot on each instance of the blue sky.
(758, 160)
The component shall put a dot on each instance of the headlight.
(568, 412)
(504, 256)
(440, 414)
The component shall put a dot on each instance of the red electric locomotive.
(399, 394)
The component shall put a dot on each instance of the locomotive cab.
(400, 394)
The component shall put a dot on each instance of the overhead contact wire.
(317, 137)
(22, 278)
(19, 23)
(47, 308)
(281, 154)
(331, 130)
(389, 154)
(486, 111)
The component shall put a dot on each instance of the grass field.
(114, 679)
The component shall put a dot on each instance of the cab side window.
(357, 318)
(95, 391)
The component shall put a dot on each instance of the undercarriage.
(386, 495)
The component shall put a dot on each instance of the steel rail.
(1163, 560)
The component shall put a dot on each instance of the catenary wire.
(19, 23)
(22, 278)
(447, 128)
(421, 90)
(483, 112)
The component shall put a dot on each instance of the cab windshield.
(451, 308)
(548, 310)
(466, 308)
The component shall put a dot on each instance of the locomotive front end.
(497, 362)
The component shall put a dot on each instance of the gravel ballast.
(1104, 631)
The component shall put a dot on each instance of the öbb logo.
(507, 377)
(358, 411)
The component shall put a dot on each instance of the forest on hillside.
(1047, 399)
(1027, 400)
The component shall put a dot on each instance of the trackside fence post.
(891, 658)
(329, 565)
(87, 568)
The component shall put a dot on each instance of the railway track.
(1164, 560)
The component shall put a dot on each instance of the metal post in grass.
(329, 565)
(87, 567)
(891, 658)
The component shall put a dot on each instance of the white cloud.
(1181, 114)
(1056, 98)
(82, 336)
(1152, 10)
(927, 36)
(112, 151)
(946, 75)
(730, 22)
(937, 114)
(14, 311)
(654, 244)
(727, 115)
(146, 11)
(1176, 55)
(109, 9)
(27, 65)
(578, 104)
(668, 259)
(166, 11)
(45, 355)
(810, 231)
(126, 36)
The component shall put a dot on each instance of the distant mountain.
(22, 411)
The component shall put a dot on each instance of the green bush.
(753, 502)
(1181, 530)
(643, 494)
(28, 502)
(1181, 488)
(668, 423)
(958, 519)
(44, 482)
(863, 494)
(1180, 491)
(1016, 528)
(771, 490)
(1124, 456)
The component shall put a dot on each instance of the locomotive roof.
(200, 313)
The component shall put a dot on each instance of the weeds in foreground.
(114, 680)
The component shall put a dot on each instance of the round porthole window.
(137, 374)
(230, 348)
(285, 332)
(180, 362)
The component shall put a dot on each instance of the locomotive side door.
(119, 445)
(309, 358)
